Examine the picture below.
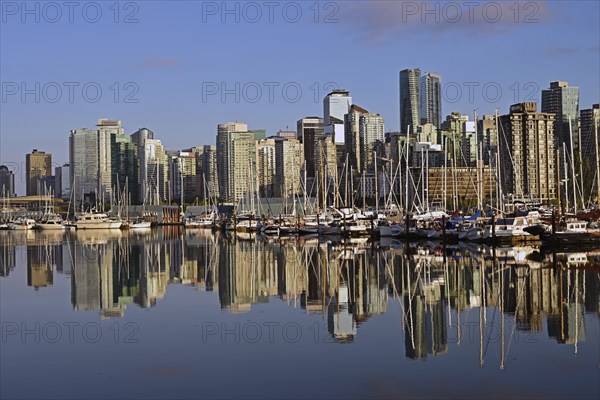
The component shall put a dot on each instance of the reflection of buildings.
(345, 283)
(247, 275)
(358, 289)
(8, 256)
(340, 321)
(40, 266)
(85, 278)
(424, 298)
(547, 289)
(110, 273)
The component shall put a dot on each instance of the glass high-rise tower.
(409, 99)
(430, 107)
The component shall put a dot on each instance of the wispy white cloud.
(562, 51)
(378, 21)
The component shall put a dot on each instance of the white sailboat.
(21, 224)
(50, 220)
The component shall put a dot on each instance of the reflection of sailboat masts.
(502, 318)
(410, 314)
(481, 311)
(519, 297)
(397, 295)
(458, 310)
(576, 305)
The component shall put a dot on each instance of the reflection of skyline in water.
(346, 284)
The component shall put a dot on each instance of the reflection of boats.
(21, 234)
(94, 220)
(140, 231)
(270, 230)
(389, 230)
(577, 259)
(51, 236)
(89, 236)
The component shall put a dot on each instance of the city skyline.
(168, 82)
(21, 169)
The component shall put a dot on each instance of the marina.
(181, 301)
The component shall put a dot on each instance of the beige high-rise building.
(154, 172)
(243, 155)
(289, 157)
(362, 132)
(38, 165)
(371, 139)
(325, 168)
(527, 153)
(107, 129)
(236, 159)
(265, 167)
(453, 135)
(182, 176)
(83, 159)
(209, 170)
(427, 133)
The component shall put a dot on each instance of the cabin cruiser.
(510, 229)
(575, 232)
(95, 220)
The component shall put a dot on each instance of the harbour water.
(168, 313)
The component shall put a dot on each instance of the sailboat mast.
(580, 168)
(376, 185)
(596, 122)
(364, 202)
(422, 178)
(427, 176)
(500, 193)
(566, 177)
(573, 169)
(406, 172)
(444, 184)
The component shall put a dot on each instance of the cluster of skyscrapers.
(526, 153)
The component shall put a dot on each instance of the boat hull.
(99, 225)
(51, 227)
(141, 225)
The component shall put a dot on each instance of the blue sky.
(170, 54)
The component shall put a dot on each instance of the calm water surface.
(167, 313)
